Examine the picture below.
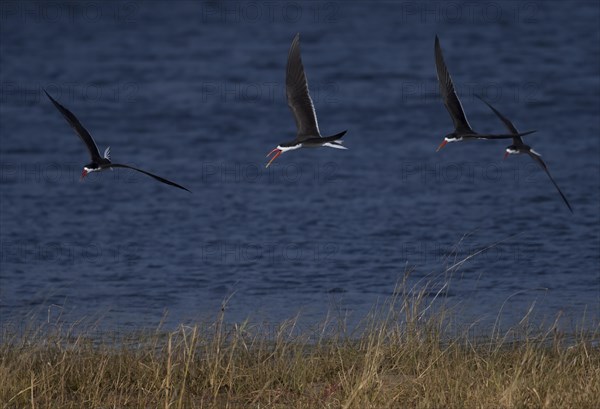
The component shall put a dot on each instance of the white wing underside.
(312, 105)
(298, 95)
(335, 145)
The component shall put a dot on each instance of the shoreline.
(404, 355)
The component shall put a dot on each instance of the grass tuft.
(406, 353)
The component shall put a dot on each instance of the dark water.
(195, 92)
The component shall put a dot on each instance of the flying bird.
(303, 109)
(518, 147)
(462, 128)
(99, 163)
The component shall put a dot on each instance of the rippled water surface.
(194, 91)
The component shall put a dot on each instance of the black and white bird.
(301, 105)
(518, 147)
(462, 128)
(99, 163)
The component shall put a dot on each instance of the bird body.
(462, 128)
(519, 147)
(99, 163)
(300, 103)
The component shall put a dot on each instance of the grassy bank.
(404, 356)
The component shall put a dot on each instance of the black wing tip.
(178, 186)
(55, 102)
(294, 46)
(564, 198)
(439, 55)
(566, 201)
(168, 182)
(338, 135)
(48, 95)
(296, 39)
(479, 97)
(543, 164)
(483, 100)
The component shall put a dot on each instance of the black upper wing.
(509, 125)
(81, 131)
(298, 98)
(539, 160)
(160, 179)
(449, 96)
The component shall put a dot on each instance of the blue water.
(195, 92)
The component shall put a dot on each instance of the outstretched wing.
(81, 131)
(298, 98)
(449, 96)
(515, 137)
(509, 125)
(539, 160)
(493, 136)
(160, 179)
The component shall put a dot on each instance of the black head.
(90, 167)
(512, 150)
(451, 137)
(281, 148)
(289, 144)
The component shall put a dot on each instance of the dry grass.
(404, 356)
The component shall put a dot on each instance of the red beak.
(506, 155)
(83, 174)
(444, 142)
(279, 152)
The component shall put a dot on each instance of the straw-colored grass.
(406, 355)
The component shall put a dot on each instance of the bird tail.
(526, 133)
(335, 137)
(335, 144)
(335, 141)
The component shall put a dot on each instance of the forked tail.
(335, 141)
(526, 133)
